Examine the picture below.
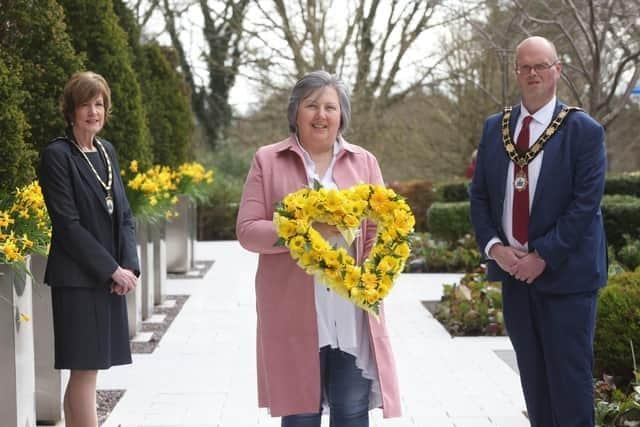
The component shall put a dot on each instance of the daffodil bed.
(367, 284)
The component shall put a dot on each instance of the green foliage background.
(16, 158)
(37, 35)
(97, 35)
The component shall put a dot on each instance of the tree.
(16, 157)
(164, 93)
(598, 42)
(480, 68)
(366, 43)
(222, 31)
(36, 34)
(167, 98)
(96, 34)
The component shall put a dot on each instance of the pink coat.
(287, 335)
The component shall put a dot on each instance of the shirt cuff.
(490, 245)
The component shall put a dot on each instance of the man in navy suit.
(535, 208)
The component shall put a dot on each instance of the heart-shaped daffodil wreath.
(367, 284)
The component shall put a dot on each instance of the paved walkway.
(203, 371)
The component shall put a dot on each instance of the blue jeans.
(346, 389)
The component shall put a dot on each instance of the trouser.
(552, 335)
(346, 390)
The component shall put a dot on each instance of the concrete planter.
(181, 234)
(134, 304)
(17, 371)
(147, 283)
(158, 233)
(50, 383)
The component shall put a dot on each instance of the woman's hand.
(326, 230)
(124, 281)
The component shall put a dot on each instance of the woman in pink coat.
(316, 350)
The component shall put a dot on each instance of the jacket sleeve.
(254, 226)
(480, 206)
(588, 188)
(127, 231)
(69, 233)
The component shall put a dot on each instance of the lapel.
(549, 151)
(89, 177)
(502, 159)
(345, 177)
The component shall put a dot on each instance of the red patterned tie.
(520, 216)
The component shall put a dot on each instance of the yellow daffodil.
(365, 285)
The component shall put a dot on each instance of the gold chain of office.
(522, 159)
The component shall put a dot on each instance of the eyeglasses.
(538, 68)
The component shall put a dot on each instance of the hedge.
(455, 191)
(621, 216)
(449, 221)
(627, 184)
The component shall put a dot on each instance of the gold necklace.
(107, 187)
(522, 160)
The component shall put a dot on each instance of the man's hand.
(506, 256)
(528, 268)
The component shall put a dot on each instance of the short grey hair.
(308, 84)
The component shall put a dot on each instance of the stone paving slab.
(203, 371)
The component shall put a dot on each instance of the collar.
(291, 143)
(337, 146)
(543, 116)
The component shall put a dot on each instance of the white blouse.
(341, 324)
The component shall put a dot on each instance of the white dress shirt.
(341, 324)
(541, 119)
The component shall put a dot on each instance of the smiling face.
(89, 116)
(318, 119)
(537, 87)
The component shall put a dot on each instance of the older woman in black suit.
(92, 262)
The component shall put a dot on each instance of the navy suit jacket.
(565, 224)
(87, 243)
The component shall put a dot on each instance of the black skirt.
(90, 328)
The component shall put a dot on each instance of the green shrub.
(628, 184)
(419, 195)
(16, 157)
(618, 324)
(449, 221)
(621, 216)
(455, 191)
(472, 307)
(629, 254)
(613, 406)
(37, 35)
(96, 34)
(164, 94)
(217, 220)
(438, 256)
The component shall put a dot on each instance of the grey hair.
(308, 84)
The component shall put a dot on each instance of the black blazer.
(87, 243)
